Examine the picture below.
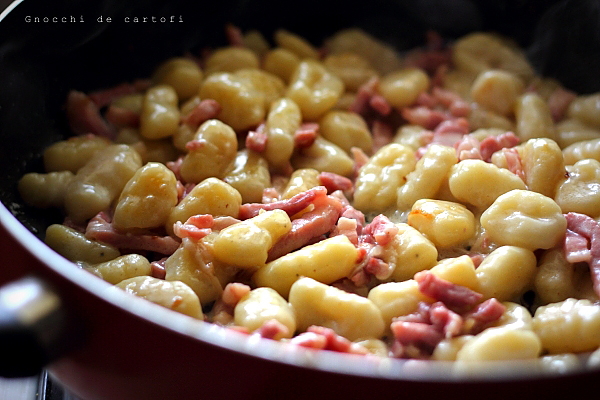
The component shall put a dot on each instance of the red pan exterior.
(126, 356)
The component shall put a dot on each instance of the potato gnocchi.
(345, 197)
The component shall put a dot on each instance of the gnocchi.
(346, 196)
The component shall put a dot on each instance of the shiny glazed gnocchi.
(346, 198)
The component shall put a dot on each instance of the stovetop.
(42, 387)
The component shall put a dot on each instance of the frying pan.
(103, 344)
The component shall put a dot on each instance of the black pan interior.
(40, 62)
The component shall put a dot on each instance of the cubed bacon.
(452, 295)
(513, 161)
(456, 125)
(205, 110)
(444, 96)
(335, 182)
(348, 227)
(380, 104)
(468, 148)
(233, 292)
(291, 206)
(588, 228)
(158, 269)
(310, 225)
(460, 108)
(306, 134)
(196, 144)
(576, 248)
(382, 134)
(445, 320)
(359, 157)
(256, 140)
(104, 97)
(428, 60)
(121, 117)
(426, 100)
(365, 92)
(381, 229)
(270, 195)
(100, 228)
(309, 340)
(438, 78)
(84, 116)
(378, 268)
(222, 222)
(175, 166)
(492, 144)
(272, 329)
(234, 35)
(321, 338)
(559, 102)
(483, 316)
(420, 335)
(196, 227)
(423, 116)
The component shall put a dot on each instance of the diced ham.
(439, 76)
(141, 85)
(422, 336)
(222, 222)
(445, 320)
(335, 182)
(310, 340)
(432, 56)
(588, 228)
(378, 268)
(84, 116)
(559, 102)
(513, 161)
(382, 134)
(359, 157)
(381, 229)
(444, 96)
(270, 195)
(468, 148)
(423, 116)
(175, 166)
(256, 140)
(158, 269)
(321, 338)
(272, 329)
(196, 227)
(450, 294)
(121, 117)
(100, 228)
(233, 292)
(483, 316)
(361, 103)
(310, 225)
(291, 206)
(104, 97)
(196, 144)
(426, 99)
(205, 110)
(492, 144)
(348, 227)
(451, 126)
(576, 248)
(306, 134)
(380, 104)
(234, 35)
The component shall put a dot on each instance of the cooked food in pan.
(437, 204)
